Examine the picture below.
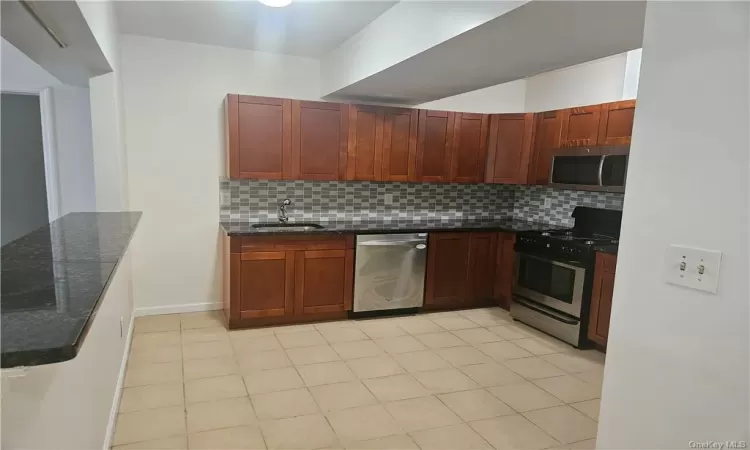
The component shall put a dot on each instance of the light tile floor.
(460, 380)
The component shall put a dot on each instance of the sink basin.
(289, 227)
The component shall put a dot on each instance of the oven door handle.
(551, 261)
(545, 312)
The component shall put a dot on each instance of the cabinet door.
(469, 151)
(616, 123)
(509, 148)
(506, 263)
(319, 140)
(266, 284)
(546, 138)
(323, 281)
(601, 298)
(446, 284)
(259, 137)
(365, 147)
(482, 255)
(400, 144)
(434, 145)
(580, 126)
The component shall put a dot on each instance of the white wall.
(174, 96)
(598, 81)
(108, 123)
(677, 359)
(108, 135)
(74, 151)
(406, 29)
(501, 98)
(632, 74)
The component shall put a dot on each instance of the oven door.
(552, 283)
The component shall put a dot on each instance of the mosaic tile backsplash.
(257, 200)
(529, 203)
(363, 200)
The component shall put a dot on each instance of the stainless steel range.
(554, 273)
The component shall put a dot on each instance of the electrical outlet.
(388, 199)
(224, 199)
(695, 268)
(547, 202)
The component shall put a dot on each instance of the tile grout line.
(391, 356)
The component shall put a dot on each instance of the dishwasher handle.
(420, 243)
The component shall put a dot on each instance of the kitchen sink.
(290, 227)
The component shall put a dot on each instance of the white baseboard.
(175, 309)
(118, 388)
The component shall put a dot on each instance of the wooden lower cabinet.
(285, 279)
(481, 276)
(505, 269)
(265, 284)
(463, 270)
(323, 281)
(446, 279)
(601, 298)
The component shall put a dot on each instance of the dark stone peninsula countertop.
(508, 224)
(53, 280)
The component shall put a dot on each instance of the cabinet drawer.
(242, 244)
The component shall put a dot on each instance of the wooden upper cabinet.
(323, 281)
(548, 126)
(616, 123)
(382, 143)
(265, 283)
(509, 148)
(365, 149)
(399, 144)
(434, 145)
(580, 126)
(259, 137)
(319, 140)
(446, 282)
(469, 150)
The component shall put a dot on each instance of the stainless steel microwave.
(590, 168)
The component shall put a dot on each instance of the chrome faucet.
(283, 218)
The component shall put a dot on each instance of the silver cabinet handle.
(390, 243)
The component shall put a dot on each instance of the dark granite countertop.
(53, 280)
(612, 248)
(508, 224)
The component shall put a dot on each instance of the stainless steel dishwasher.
(389, 271)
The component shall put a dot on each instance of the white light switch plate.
(682, 266)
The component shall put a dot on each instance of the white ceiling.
(304, 28)
(537, 37)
